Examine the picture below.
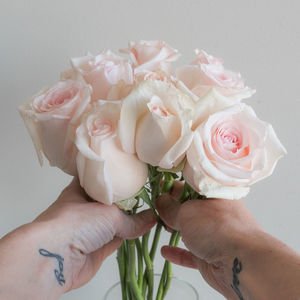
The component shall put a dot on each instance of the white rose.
(106, 172)
(155, 123)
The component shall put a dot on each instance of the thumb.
(130, 227)
(168, 208)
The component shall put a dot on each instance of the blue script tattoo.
(236, 269)
(58, 273)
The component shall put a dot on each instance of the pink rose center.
(56, 97)
(157, 107)
(160, 111)
(229, 140)
(101, 128)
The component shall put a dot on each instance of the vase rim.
(158, 275)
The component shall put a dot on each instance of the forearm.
(264, 268)
(27, 272)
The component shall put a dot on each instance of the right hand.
(212, 230)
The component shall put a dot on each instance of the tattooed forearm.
(58, 273)
(236, 269)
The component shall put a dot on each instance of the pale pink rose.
(52, 117)
(150, 56)
(155, 123)
(109, 75)
(207, 72)
(230, 151)
(106, 172)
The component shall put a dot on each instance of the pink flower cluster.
(109, 116)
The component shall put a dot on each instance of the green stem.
(166, 275)
(145, 196)
(132, 272)
(144, 287)
(155, 240)
(122, 270)
(153, 251)
(127, 277)
(140, 262)
(185, 193)
(149, 266)
(161, 283)
(156, 187)
(167, 186)
(168, 183)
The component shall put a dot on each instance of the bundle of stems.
(135, 257)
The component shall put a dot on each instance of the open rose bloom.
(52, 117)
(110, 118)
(231, 150)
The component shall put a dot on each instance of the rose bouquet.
(128, 128)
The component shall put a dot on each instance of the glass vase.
(178, 290)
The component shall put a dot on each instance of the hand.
(211, 230)
(217, 232)
(79, 231)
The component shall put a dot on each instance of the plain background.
(258, 38)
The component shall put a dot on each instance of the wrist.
(28, 274)
(264, 259)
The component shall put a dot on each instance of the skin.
(83, 232)
(217, 231)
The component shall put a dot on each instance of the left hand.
(81, 231)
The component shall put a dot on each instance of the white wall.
(258, 38)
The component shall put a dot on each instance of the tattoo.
(236, 269)
(58, 273)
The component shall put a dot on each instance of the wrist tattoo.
(236, 269)
(58, 273)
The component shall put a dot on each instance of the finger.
(181, 257)
(177, 188)
(168, 208)
(130, 227)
